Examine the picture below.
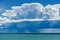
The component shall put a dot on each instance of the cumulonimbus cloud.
(32, 12)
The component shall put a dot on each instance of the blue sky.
(7, 4)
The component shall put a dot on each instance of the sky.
(7, 4)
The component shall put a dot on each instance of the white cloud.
(52, 11)
(31, 12)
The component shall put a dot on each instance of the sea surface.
(29, 36)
